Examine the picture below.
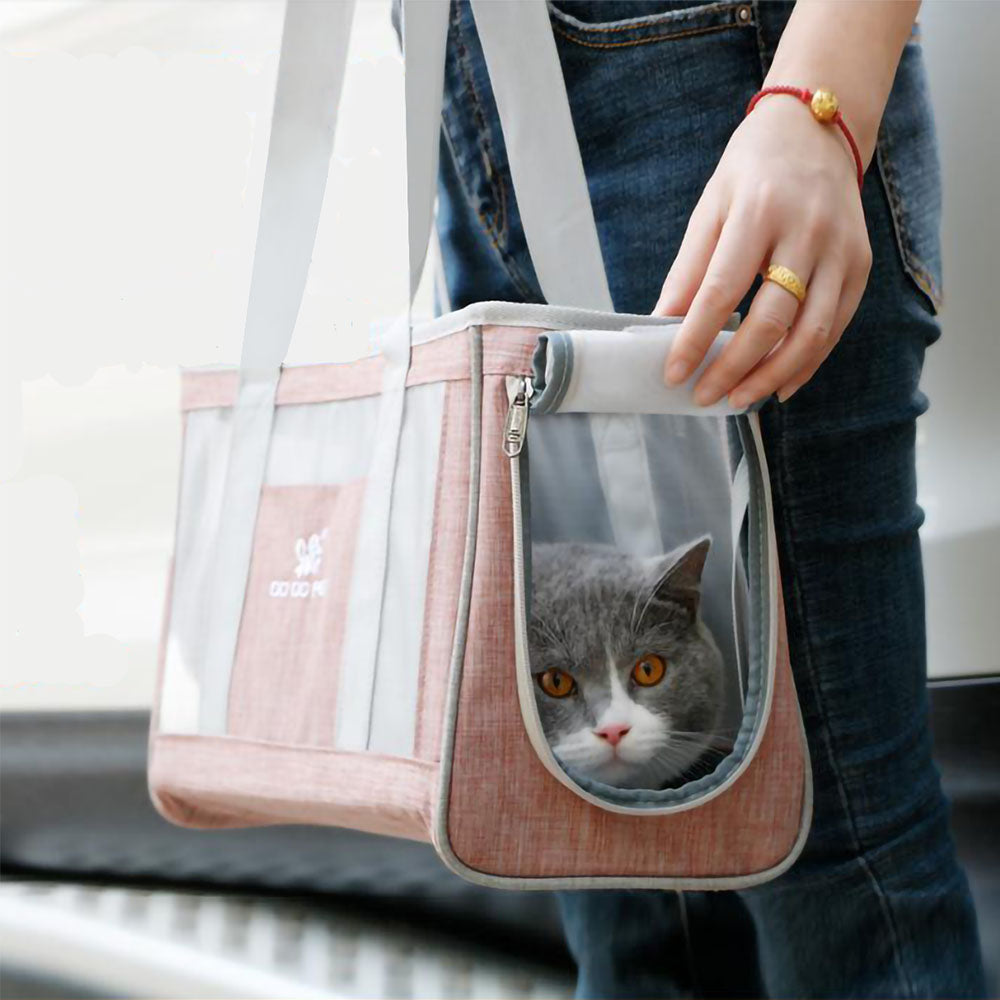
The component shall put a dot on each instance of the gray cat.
(629, 681)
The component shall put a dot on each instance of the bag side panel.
(279, 762)
(508, 817)
(219, 782)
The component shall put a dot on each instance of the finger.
(730, 273)
(688, 268)
(850, 298)
(768, 322)
(807, 343)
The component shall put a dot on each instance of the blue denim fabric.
(876, 905)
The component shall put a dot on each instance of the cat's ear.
(680, 576)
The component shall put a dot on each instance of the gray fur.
(594, 612)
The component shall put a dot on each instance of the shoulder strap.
(310, 78)
(425, 38)
(542, 149)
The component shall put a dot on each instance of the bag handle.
(311, 68)
(310, 77)
(543, 152)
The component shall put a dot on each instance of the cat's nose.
(613, 734)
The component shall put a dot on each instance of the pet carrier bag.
(370, 555)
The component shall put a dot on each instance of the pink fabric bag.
(345, 640)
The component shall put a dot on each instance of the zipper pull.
(516, 425)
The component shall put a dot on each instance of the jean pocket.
(910, 172)
(642, 23)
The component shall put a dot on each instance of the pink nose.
(613, 734)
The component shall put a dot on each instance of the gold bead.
(824, 106)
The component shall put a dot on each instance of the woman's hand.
(784, 192)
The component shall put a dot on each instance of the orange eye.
(649, 670)
(556, 683)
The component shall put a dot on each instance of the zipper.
(515, 427)
(519, 392)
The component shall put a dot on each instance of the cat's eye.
(556, 683)
(649, 670)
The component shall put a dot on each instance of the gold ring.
(788, 280)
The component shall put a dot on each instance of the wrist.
(823, 107)
(861, 113)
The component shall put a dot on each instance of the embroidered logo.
(309, 553)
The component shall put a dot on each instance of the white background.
(132, 145)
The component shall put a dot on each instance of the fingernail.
(707, 394)
(677, 371)
(738, 401)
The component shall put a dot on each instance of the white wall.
(959, 438)
(133, 138)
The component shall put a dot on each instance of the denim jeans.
(877, 904)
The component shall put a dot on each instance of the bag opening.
(645, 573)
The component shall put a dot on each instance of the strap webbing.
(310, 77)
(543, 153)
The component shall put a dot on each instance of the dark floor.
(76, 808)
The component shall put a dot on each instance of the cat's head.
(628, 679)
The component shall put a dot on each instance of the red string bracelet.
(825, 109)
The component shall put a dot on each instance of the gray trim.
(544, 317)
(554, 353)
(439, 831)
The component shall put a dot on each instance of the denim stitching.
(644, 41)
(912, 263)
(824, 729)
(487, 227)
(479, 120)
(639, 24)
(498, 237)
(761, 47)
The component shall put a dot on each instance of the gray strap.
(310, 76)
(545, 165)
(425, 30)
(558, 220)
(425, 38)
(360, 654)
